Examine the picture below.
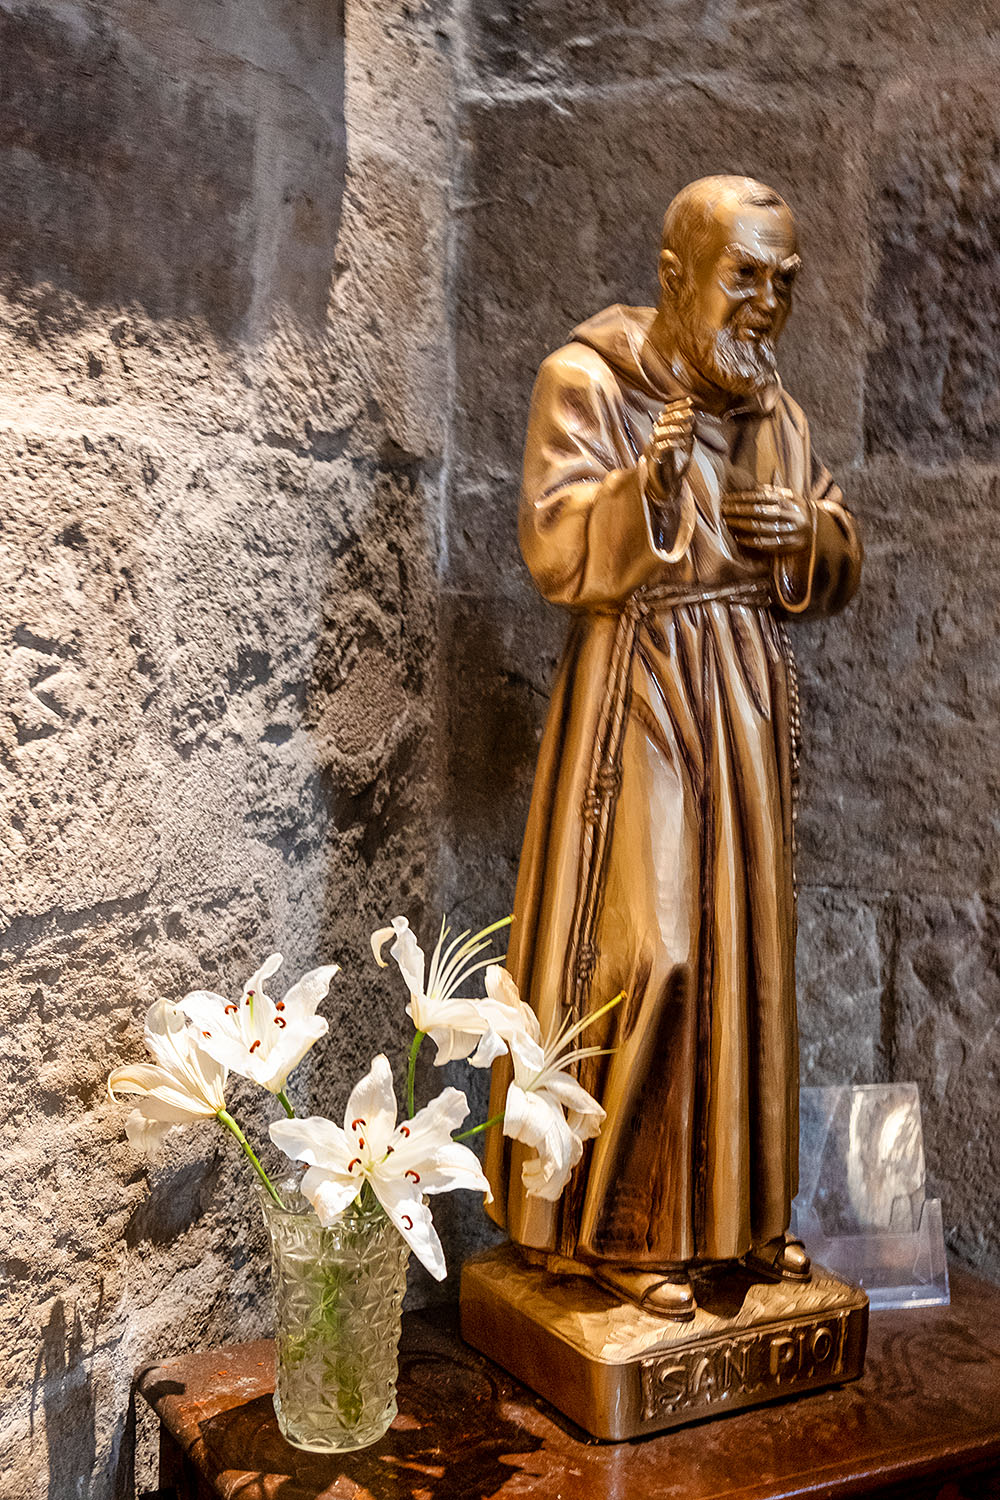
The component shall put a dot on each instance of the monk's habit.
(658, 855)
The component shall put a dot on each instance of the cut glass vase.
(338, 1297)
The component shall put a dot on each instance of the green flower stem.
(495, 927)
(225, 1118)
(477, 1129)
(411, 1075)
(283, 1101)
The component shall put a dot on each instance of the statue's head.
(726, 272)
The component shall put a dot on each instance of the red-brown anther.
(279, 1004)
(255, 1045)
(407, 1221)
(280, 1021)
(355, 1163)
(357, 1122)
(414, 1175)
(233, 1008)
(404, 1129)
(206, 1033)
(361, 1143)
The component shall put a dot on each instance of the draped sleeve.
(591, 530)
(823, 578)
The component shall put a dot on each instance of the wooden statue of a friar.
(673, 504)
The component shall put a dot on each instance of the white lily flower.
(545, 1109)
(257, 1037)
(508, 1013)
(459, 1028)
(402, 1162)
(185, 1084)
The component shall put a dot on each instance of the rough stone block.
(947, 998)
(574, 43)
(116, 181)
(500, 665)
(900, 777)
(843, 943)
(483, 556)
(394, 226)
(141, 170)
(933, 384)
(573, 223)
(83, 652)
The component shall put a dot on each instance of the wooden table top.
(927, 1411)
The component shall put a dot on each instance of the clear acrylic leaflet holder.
(862, 1210)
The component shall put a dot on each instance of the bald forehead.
(770, 228)
(715, 212)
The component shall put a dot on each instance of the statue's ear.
(670, 272)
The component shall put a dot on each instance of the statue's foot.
(667, 1293)
(780, 1259)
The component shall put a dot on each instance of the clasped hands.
(767, 518)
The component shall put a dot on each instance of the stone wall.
(224, 255)
(579, 122)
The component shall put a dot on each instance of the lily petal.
(328, 1192)
(440, 1117)
(528, 1056)
(426, 1155)
(259, 978)
(378, 941)
(315, 1140)
(540, 1124)
(508, 1013)
(575, 1099)
(412, 1218)
(452, 1043)
(272, 1071)
(371, 1108)
(302, 999)
(408, 955)
(490, 1048)
(544, 1180)
(145, 1135)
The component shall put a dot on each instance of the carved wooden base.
(620, 1372)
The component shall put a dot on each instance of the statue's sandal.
(783, 1259)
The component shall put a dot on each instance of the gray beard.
(744, 367)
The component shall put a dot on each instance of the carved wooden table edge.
(924, 1420)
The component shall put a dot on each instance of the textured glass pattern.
(338, 1295)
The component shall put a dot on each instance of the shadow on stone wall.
(142, 166)
(64, 1387)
